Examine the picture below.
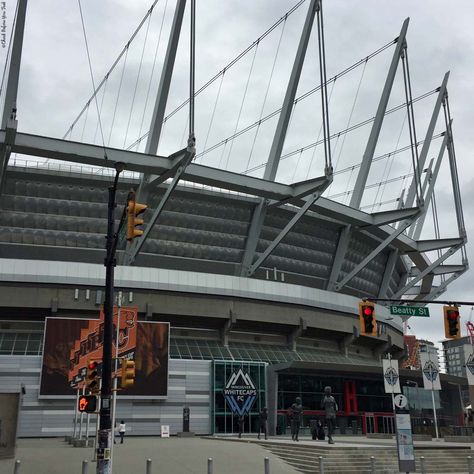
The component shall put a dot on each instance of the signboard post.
(431, 381)
(410, 311)
(405, 448)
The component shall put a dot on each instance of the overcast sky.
(55, 84)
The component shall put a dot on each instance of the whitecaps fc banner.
(430, 371)
(240, 393)
(391, 377)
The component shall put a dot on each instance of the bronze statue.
(296, 416)
(328, 403)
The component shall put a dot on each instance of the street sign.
(410, 311)
(400, 401)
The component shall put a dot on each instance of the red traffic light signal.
(368, 323)
(92, 375)
(452, 327)
(87, 403)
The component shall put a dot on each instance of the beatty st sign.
(410, 311)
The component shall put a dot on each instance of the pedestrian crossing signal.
(87, 404)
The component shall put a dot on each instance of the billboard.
(70, 343)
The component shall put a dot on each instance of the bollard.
(321, 465)
(209, 466)
(17, 467)
(148, 466)
(469, 465)
(85, 466)
(372, 465)
(266, 463)
(422, 462)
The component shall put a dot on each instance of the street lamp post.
(104, 464)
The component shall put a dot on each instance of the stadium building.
(253, 276)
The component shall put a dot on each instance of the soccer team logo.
(240, 393)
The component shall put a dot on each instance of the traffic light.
(92, 375)
(128, 373)
(452, 327)
(134, 209)
(368, 324)
(87, 403)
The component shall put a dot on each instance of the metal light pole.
(104, 464)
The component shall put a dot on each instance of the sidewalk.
(347, 441)
(169, 455)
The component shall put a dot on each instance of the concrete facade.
(189, 384)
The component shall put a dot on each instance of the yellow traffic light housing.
(452, 322)
(128, 373)
(368, 323)
(92, 375)
(134, 209)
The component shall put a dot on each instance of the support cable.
(373, 185)
(270, 78)
(241, 106)
(236, 59)
(389, 164)
(92, 79)
(85, 123)
(275, 112)
(349, 120)
(117, 99)
(386, 155)
(101, 107)
(321, 128)
(334, 135)
(136, 82)
(211, 121)
(152, 72)
(411, 125)
(124, 50)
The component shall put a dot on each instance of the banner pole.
(434, 411)
(75, 413)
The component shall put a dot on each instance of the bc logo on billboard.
(240, 393)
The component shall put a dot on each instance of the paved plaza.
(169, 455)
(182, 455)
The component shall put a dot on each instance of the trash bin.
(354, 427)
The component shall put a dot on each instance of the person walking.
(122, 430)
(262, 425)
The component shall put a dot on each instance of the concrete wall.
(189, 383)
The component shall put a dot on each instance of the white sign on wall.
(391, 378)
(165, 431)
(430, 371)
